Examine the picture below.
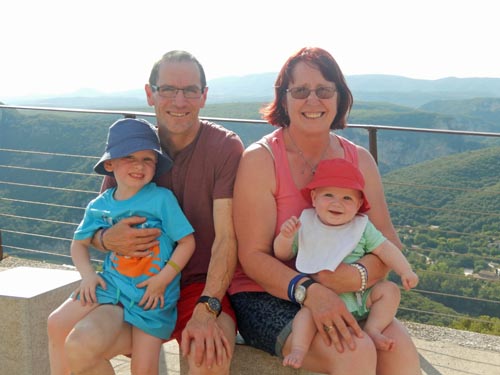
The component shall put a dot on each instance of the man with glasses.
(205, 157)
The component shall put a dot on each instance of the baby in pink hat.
(336, 230)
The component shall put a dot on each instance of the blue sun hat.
(127, 136)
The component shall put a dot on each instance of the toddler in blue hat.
(146, 287)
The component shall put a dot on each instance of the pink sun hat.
(339, 173)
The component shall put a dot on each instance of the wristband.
(174, 265)
(101, 238)
(291, 286)
(364, 275)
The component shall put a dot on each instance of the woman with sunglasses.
(311, 99)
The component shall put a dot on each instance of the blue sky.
(60, 46)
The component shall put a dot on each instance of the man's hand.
(125, 239)
(203, 335)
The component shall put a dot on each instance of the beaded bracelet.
(364, 275)
(291, 286)
(174, 265)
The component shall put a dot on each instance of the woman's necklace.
(311, 166)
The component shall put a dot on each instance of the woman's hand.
(334, 322)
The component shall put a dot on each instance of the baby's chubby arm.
(394, 259)
(284, 240)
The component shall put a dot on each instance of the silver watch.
(300, 291)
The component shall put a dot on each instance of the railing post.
(1, 248)
(372, 139)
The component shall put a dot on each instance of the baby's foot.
(295, 358)
(381, 342)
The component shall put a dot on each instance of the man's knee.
(77, 342)
(202, 370)
(143, 367)
(80, 350)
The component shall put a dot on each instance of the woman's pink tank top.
(289, 200)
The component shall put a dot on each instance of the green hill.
(460, 193)
(443, 191)
(485, 110)
(447, 212)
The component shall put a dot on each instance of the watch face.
(300, 294)
(214, 305)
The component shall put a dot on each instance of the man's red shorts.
(186, 304)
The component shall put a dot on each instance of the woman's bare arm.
(255, 215)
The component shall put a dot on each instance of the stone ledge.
(246, 361)
(27, 297)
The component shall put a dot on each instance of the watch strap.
(203, 299)
(306, 284)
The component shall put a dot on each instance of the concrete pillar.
(27, 297)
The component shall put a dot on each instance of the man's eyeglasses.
(170, 92)
(322, 92)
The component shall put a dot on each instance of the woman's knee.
(404, 352)
(361, 360)
(397, 331)
(365, 348)
(362, 357)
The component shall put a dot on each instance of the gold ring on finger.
(327, 328)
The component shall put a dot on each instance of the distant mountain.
(249, 88)
(480, 114)
(390, 83)
(259, 88)
(416, 92)
(90, 102)
(368, 87)
(486, 109)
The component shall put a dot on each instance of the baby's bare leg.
(303, 331)
(383, 303)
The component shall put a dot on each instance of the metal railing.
(37, 219)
